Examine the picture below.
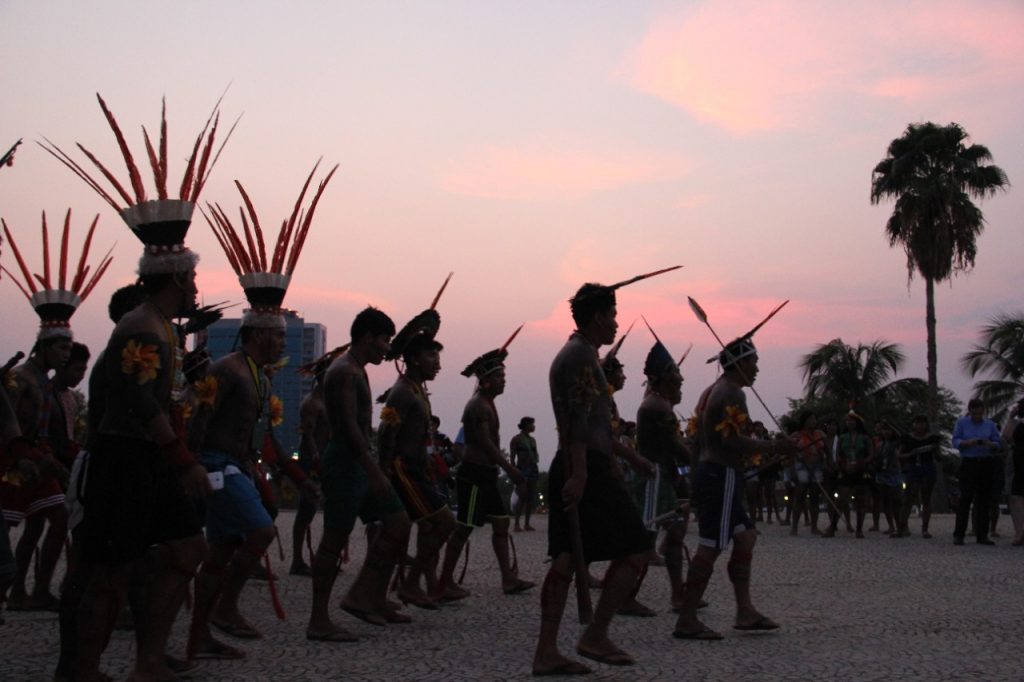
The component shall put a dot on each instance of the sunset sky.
(530, 147)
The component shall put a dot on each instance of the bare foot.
(558, 665)
(602, 650)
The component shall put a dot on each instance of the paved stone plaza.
(872, 609)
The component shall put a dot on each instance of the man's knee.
(744, 541)
(186, 554)
(262, 537)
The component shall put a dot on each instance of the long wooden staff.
(584, 608)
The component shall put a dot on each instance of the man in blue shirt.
(978, 441)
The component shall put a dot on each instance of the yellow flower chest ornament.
(734, 421)
(142, 360)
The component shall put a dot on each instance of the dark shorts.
(530, 472)
(610, 522)
(7, 566)
(478, 494)
(346, 489)
(656, 496)
(719, 493)
(415, 486)
(133, 500)
(921, 473)
(235, 510)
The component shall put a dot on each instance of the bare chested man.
(403, 434)
(137, 450)
(315, 432)
(718, 486)
(661, 442)
(354, 486)
(40, 497)
(610, 523)
(229, 430)
(480, 501)
(523, 451)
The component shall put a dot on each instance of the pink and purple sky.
(531, 147)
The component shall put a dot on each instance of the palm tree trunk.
(933, 372)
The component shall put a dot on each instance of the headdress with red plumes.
(55, 301)
(265, 280)
(490, 361)
(162, 223)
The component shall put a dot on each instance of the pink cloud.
(753, 66)
(545, 174)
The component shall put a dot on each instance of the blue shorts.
(235, 510)
(719, 494)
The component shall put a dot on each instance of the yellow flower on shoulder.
(389, 417)
(186, 411)
(276, 411)
(692, 424)
(206, 390)
(734, 421)
(143, 360)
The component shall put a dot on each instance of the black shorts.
(610, 522)
(419, 493)
(479, 497)
(719, 492)
(133, 500)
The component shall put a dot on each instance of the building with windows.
(304, 342)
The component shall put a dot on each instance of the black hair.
(371, 321)
(79, 353)
(124, 300)
(804, 416)
(590, 300)
(156, 282)
(975, 402)
(420, 342)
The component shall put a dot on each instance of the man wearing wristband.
(978, 441)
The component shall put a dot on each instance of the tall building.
(304, 342)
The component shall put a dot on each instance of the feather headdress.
(588, 291)
(264, 280)
(740, 347)
(56, 299)
(161, 223)
(318, 367)
(658, 358)
(490, 361)
(8, 158)
(420, 329)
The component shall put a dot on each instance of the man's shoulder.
(25, 376)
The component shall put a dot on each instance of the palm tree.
(1000, 355)
(860, 377)
(933, 174)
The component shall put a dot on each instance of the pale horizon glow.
(532, 148)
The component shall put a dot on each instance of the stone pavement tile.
(872, 609)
